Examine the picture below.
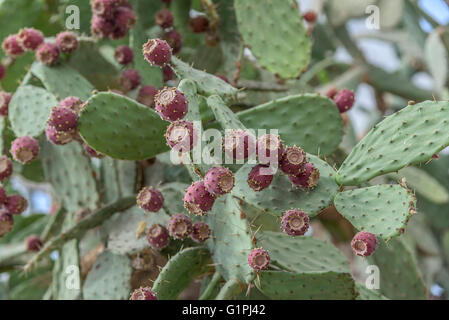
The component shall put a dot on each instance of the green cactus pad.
(179, 272)
(29, 110)
(118, 178)
(279, 39)
(122, 128)
(383, 210)
(281, 196)
(224, 115)
(409, 136)
(368, 294)
(310, 121)
(109, 278)
(173, 197)
(230, 243)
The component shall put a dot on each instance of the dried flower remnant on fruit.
(150, 199)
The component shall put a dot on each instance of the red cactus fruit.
(16, 204)
(91, 152)
(310, 16)
(103, 8)
(150, 199)
(331, 92)
(239, 144)
(259, 180)
(47, 53)
(344, 100)
(171, 104)
(167, 73)
(30, 38)
(3, 196)
(2, 71)
(219, 181)
(63, 119)
(130, 79)
(124, 19)
(259, 259)
(180, 226)
(67, 41)
(308, 178)
(199, 24)
(295, 222)
(158, 236)
(71, 102)
(5, 167)
(201, 232)
(143, 293)
(146, 95)
(11, 46)
(100, 28)
(197, 200)
(181, 136)
(5, 98)
(33, 243)
(269, 148)
(157, 52)
(293, 160)
(124, 55)
(6, 222)
(173, 38)
(56, 137)
(24, 149)
(364, 244)
(164, 18)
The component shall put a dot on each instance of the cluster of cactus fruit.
(104, 150)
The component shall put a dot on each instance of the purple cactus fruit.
(344, 100)
(310, 16)
(6, 222)
(157, 52)
(259, 259)
(199, 24)
(5, 167)
(5, 98)
(180, 226)
(3, 196)
(219, 181)
(67, 41)
(269, 147)
(308, 178)
(11, 46)
(150, 199)
(91, 152)
(24, 149)
(74, 103)
(364, 243)
(295, 222)
(181, 136)
(124, 55)
(30, 38)
(171, 104)
(100, 28)
(56, 137)
(201, 232)
(158, 236)
(103, 8)
(197, 200)
(130, 79)
(146, 95)
(122, 3)
(124, 19)
(293, 160)
(63, 119)
(239, 144)
(47, 53)
(174, 39)
(260, 177)
(167, 73)
(143, 293)
(16, 204)
(2, 71)
(164, 18)
(33, 243)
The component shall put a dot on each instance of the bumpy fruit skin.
(158, 236)
(92, 152)
(63, 119)
(2, 71)
(181, 136)
(199, 24)
(164, 18)
(308, 178)
(5, 167)
(30, 38)
(197, 200)
(239, 144)
(56, 137)
(6, 222)
(201, 232)
(293, 160)
(259, 259)
(364, 244)
(67, 41)
(150, 199)
(258, 181)
(74, 103)
(3, 196)
(5, 98)
(16, 204)
(103, 8)
(310, 16)
(219, 181)
(167, 73)
(47, 53)
(180, 226)
(157, 52)
(331, 92)
(344, 100)
(124, 55)
(174, 39)
(100, 28)
(171, 104)
(33, 243)
(295, 222)
(269, 147)
(143, 293)
(130, 79)
(24, 149)
(146, 95)
(11, 46)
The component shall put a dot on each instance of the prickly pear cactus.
(216, 150)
